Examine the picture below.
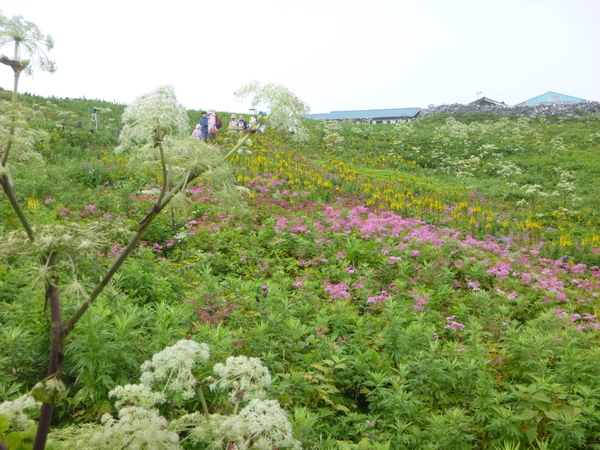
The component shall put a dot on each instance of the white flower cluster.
(158, 111)
(332, 130)
(534, 190)
(136, 429)
(285, 109)
(463, 167)
(174, 365)
(260, 425)
(140, 395)
(240, 373)
(566, 184)
(507, 169)
(15, 410)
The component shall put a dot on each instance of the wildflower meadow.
(422, 285)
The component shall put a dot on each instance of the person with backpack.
(214, 123)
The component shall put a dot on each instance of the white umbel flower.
(173, 366)
(240, 373)
(136, 429)
(159, 111)
(136, 395)
(260, 425)
(15, 410)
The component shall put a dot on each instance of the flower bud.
(50, 390)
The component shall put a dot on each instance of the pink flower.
(379, 299)
(455, 326)
(337, 291)
(474, 285)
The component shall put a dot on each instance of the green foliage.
(384, 215)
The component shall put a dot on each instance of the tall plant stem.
(12, 198)
(55, 364)
(202, 400)
(5, 179)
(235, 149)
(165, 172)
(17, 67)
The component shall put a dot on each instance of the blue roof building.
(375, 115)
(552, 97)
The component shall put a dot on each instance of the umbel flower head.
(140, 395)
(240, 373)
(173, 366)
(153, 117)
(137, 428)
(15, 410)
(30, 44)
(285, 108)
(260, 425)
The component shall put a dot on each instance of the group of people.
(237, 124)
(207, 128)
(209, 125)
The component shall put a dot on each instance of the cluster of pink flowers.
(453, 325)
(420, 303)
(295, 225)
(583, 321)
(339, 291)
(379, 300)
(500, 270)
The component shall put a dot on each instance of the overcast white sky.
(333, 54)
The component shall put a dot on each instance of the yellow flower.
(33, 203)
(565, 241)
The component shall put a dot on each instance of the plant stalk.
(202, 400)
(5, 179)
(235, 149)
(12, 198)
(55, 364)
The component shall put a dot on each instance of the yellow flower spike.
(565, 241)
(32, 204)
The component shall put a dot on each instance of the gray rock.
(551, 109)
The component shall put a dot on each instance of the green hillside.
(429, 285)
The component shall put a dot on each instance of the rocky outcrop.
(550, 109)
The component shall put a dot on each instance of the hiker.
(203, 126)
(212, 125)
(197, 133)
(233, 125)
